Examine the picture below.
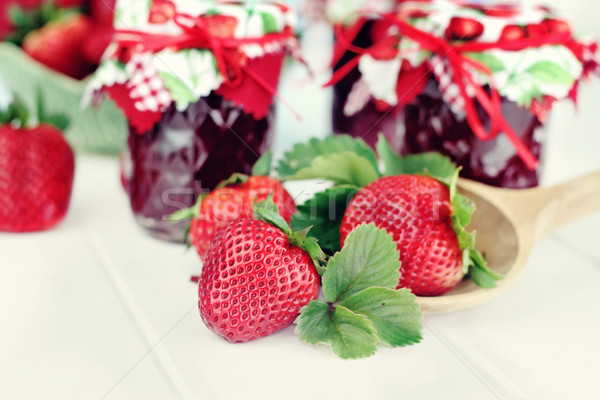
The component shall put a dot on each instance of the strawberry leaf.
(314, 324)
(267, 211)
(474, 264)
(302, 154)
(430, 164)
(395, 314)
(340, 168)
(262, 167)
(354, 335)
(368, 258)
(324, 213)
(350, 335)
(235, 179)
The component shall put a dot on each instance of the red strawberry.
(7, 26)
(463, 29)
(103, 11)
(36, 177)
(255, 280)
(512, 32)
(58, 45)
(416, 211)
(96, 43)
(226, 204)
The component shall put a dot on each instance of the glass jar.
(428, 124)
(420, 74)
(186, 154)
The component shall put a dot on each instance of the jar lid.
(475, 52)
(166, 52)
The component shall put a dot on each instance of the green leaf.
(395, 314)
(267, 211)
(550, 72)
(180, 92)
(431, 164)
(235, 179)
(368, 258)
(350, 335)
(315, 325)
(302, 154)
(354, 335)
(324, 213)
(463, 209)
(390, 159)
(480, 272)
(493, 63)
(340, 168)
(262, 167)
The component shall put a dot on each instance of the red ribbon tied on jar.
(462, 68)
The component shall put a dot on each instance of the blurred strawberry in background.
(68, 36)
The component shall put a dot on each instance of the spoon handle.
(539, 211)
(567, 202)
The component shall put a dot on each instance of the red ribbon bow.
(463, 77)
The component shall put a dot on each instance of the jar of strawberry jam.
(473, 82)
(196, 82)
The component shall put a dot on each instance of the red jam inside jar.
(428, 124)
(186, 154)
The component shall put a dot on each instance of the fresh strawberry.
(512, 32)
(36, 176)
(58, 45)
(14, 15)
(95, 44)
(416, 211)
(461, 28)
(256, 277)
(223, 205)
(413, 198)
(103, 11)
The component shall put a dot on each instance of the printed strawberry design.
(161, 11)
(416, 211)
(221, 26)
(553, 25)
(36, 172)
(257, 275)
(512, 32)
(463, 29)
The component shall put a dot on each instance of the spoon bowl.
(507, 223)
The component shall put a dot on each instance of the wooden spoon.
(508, 222)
